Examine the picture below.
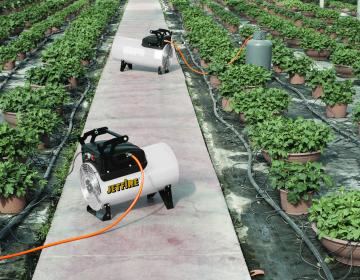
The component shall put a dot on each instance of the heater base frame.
(105, 213)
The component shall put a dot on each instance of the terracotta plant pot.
(296, 157)
(85, 62)
(214, 81)
(298, 23)
(344, 251)
(225, 103)
(292, 43)
(28, 24)
(10, 118)
(301, 208)
(333, 35)
(318, 55)
(308, 14)
(45, 142)
(317, 92)
(203, 64)
(9, 65)
(12, 205)
(296, 79)
(73, 82)
(329, 21)
(195, 50)
(55, 29)
(336, 111)
(21, 56)
(232, 28)
(242, 118)
(344, 71)
(277, 69)
(275, 33)
(48, 32)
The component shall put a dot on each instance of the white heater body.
(162, 170)
(131, 51)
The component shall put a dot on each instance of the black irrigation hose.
(263, 193)
(351, 137)
(19, 217)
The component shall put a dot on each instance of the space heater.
(110, 176)
(154, 51)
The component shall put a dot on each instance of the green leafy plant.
(356, 113)
(344, 56)
(337, 215)
(39, 121)
(321, 77)
(318, 42)
(298, 179)
(242, 76)
(282, 56)
(247, 30)
(15, 143)
(280, 136)
(17, 179)
(338, 93)
(299, 65)
(260, 104)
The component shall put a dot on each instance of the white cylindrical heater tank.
(162, 170)
(131, 51)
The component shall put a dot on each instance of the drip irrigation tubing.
(19, 217)
(346, 135)
(263, 193)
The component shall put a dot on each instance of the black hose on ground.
(263, 193)
(38, 196)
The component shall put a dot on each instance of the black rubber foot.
(151, 195)
(159, 70)
(124, 64)
(103, 214)
(166, 196)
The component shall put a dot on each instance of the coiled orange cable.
(101, 231)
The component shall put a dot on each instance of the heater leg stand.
(166, 196)
(124, 64)
(100, 214)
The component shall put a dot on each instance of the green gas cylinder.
(259, 50)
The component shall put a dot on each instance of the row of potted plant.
(10, 6)
(14, 23)
(291, 145)
(34, 113)
(27, 41)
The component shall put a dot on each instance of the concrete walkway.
(195, 240)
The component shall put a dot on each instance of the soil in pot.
(344, 251)
(10, 118)
(9, 65)
(12, 205)
(317, 92)
(21, 56)
(214, 81)
(336, 111)
(225, 103)
(344, 71)
(318, 55)
(296, 79)
(301, 208)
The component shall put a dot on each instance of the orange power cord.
(177, 48)
(101, 231)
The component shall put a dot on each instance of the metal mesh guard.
(90, 186)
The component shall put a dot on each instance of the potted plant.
(17, 179)
(335, 219)
(244, 76)
(15, 144)
(317, 46)
(281, 56)
(40, 121)
(356, 115)
(297, 184)
(246, 31)
(259, 104)
(318, 78)
(7, 57)
(291, 35)
(337, 96)
(298, 68)
(296, 140)
(343, 60)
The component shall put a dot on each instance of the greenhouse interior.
(180, 139)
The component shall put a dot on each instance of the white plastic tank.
(162, 170)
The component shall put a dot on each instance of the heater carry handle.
(113, 142)
(100, 131)
(161, 33)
